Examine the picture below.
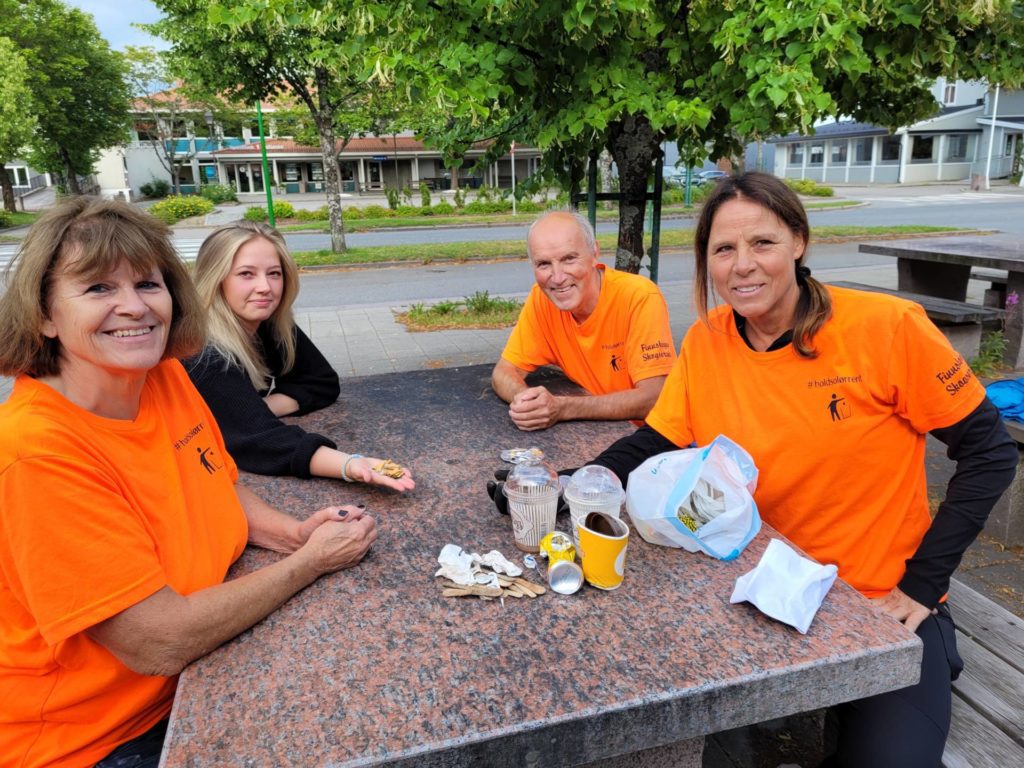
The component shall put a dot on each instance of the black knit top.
(259, 441)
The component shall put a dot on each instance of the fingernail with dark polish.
(342, 513)
(361, 506)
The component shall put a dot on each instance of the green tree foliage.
(79, 96)
(316, 52)
(577, 77)
(16, 119)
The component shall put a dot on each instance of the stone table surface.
(372, 666)
(993, 251)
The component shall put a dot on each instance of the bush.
(376, 212)
(350, 213)
(174, 208)
(407, 195)
(528, 206)
(156, 188)
(394, 197)
(459, 198)
(809, 187)
(424, 196)
(493, 206)
(284, 210)
(442, 209)
(218, 193)
(6, 219)
(407, 210)
(319, 214)
(256, 213)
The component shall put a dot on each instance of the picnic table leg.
(944, 281)
(1013, 330)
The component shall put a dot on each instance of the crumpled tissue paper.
(785, 586)
(467, 567)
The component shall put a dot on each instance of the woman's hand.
(905, 610)
(340, 543)
(361, 470)
(347, 513)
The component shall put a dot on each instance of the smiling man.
(607, 330)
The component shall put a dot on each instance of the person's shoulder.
(209, 359)
(630, 280)
(850, 305)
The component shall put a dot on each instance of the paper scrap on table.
(466, 568)
(785, 586)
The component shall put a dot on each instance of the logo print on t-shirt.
(206, 460)
(839, 408)
(615, 362)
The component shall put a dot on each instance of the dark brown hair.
(815, 305)
(90, 237)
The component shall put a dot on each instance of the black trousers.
(141, 752)
(906, 728)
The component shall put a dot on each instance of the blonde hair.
(88, 237)
(814, 306)
(226, 334)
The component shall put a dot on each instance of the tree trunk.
(70, 174)
(324, 118)
(8, 189)
(633, 145)
(604, 172)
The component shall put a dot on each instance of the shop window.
(291, 171)
(147, 131)
(863, 151)
(316, 171)
(923, 149)
(796, 154)
(817, 154)
(957, 147)
(891, 149)
(839, 150)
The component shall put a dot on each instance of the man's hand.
(534, 408)
(904, 609)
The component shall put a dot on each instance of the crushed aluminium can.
(563, 574)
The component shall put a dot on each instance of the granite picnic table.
(941, 267)
(372, 666)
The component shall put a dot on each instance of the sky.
(114, 19)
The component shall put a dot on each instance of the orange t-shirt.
(839, 440)
(99, 514)
(626, 339)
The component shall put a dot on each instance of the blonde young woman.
(259, 366)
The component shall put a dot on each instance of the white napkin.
(785, 586)
(467, 567)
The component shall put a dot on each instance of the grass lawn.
(495, 219)
(477, 311)
(503, 249)
(21, 219)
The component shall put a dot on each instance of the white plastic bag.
(661, 485)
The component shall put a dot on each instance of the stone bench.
(995, 294)
(961, 322)
(1006, 521)
(988, 699)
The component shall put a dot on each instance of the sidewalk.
(367, 340)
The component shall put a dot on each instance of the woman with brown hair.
(833, 392)
(122, 510)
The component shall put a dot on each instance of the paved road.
(1002, 209)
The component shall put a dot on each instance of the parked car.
(708, 177)
(673, 176)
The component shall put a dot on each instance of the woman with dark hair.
(258, 365)
(121, 508)
(833, 392)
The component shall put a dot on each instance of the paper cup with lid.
(592, 489)
(532, 492)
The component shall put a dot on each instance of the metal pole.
(266, 167)
(656, 218)
(991, 136)
(512, 154)
(592, 191)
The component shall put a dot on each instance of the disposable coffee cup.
(532, 493)
(603, 540)
(592, 489)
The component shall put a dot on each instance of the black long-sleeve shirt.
(258, 440)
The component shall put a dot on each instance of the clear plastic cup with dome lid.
(592, 489)
(532, 491)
